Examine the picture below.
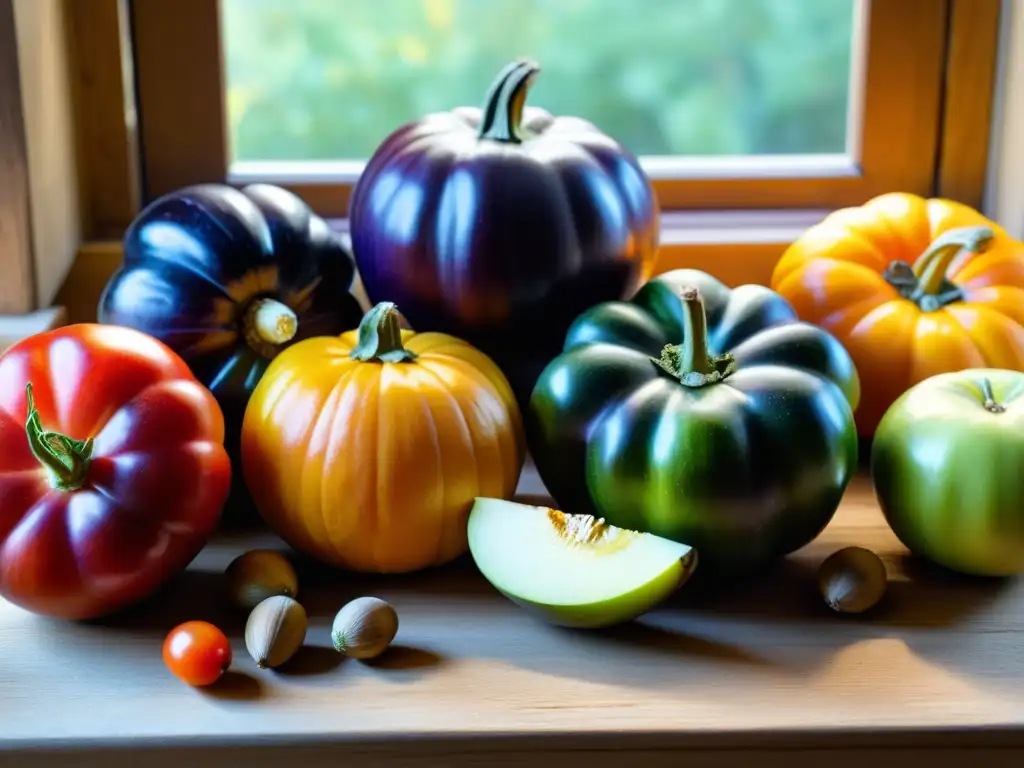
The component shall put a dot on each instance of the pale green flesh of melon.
(521, 552)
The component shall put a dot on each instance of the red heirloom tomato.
(113, 471)
(197, 653)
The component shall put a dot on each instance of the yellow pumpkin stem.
(933, 265)
(380, 337)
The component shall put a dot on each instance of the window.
(706, 78)
(16, 289)
(730, 103)
(852, 98)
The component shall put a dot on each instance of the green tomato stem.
(380, 337)
(267, 324)
(990, 403)
(66, 459)
(694, 358)
(690, 362)
(505, 101)
(934, 290)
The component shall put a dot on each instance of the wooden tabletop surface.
(939, 663)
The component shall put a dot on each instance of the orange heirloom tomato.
(197, 653)
(912, 288)
(367, 450)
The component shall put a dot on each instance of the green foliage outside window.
(329, 79)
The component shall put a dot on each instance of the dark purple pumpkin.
(228, 278)
(501, 225)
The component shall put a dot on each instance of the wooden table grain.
(760, 674)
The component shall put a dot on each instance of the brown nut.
(852, 580)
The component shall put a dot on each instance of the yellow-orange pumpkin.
(912, 287)
(367, 450)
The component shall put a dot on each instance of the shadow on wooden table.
(650, 637)
(407, 658)
(311, 660)
(922, 594)
(193, 595)
(771, 624)
(200, 594)
(777, 626)
(234, 685)
(457, 579)
(919, 594)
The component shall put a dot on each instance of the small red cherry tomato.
(197, 653)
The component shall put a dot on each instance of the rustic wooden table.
(763, 675)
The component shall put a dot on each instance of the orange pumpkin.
(912, 287)
(367, 450)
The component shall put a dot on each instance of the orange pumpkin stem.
(66, 459)
(933, 265)
(690, 362)
(380, 337)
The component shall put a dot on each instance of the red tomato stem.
(66, 459)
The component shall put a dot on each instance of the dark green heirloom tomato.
(948, 468)
(701, 414)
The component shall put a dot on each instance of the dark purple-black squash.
(501, 225)
(228, 278)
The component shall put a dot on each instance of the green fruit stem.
(66, 459)
(267, 324)
(380, 337)
(690, 362)
(934, 289)
(990, 403)
(505, 101)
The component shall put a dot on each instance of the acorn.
(852, 580)
(364, 628)
(276, 629)
(258, 574)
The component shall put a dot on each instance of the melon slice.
(573, 570)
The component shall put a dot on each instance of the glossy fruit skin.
(948, 472)
(833, 277)
(374, 466)
(197, 653)
(745, 470)
(197, 259)
(155, 484)
(502, 240)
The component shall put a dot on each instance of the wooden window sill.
(735, 246)
(14, 328)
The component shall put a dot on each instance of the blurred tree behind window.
(329, 79)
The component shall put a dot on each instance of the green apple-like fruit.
(948, 469)
(573, 570)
